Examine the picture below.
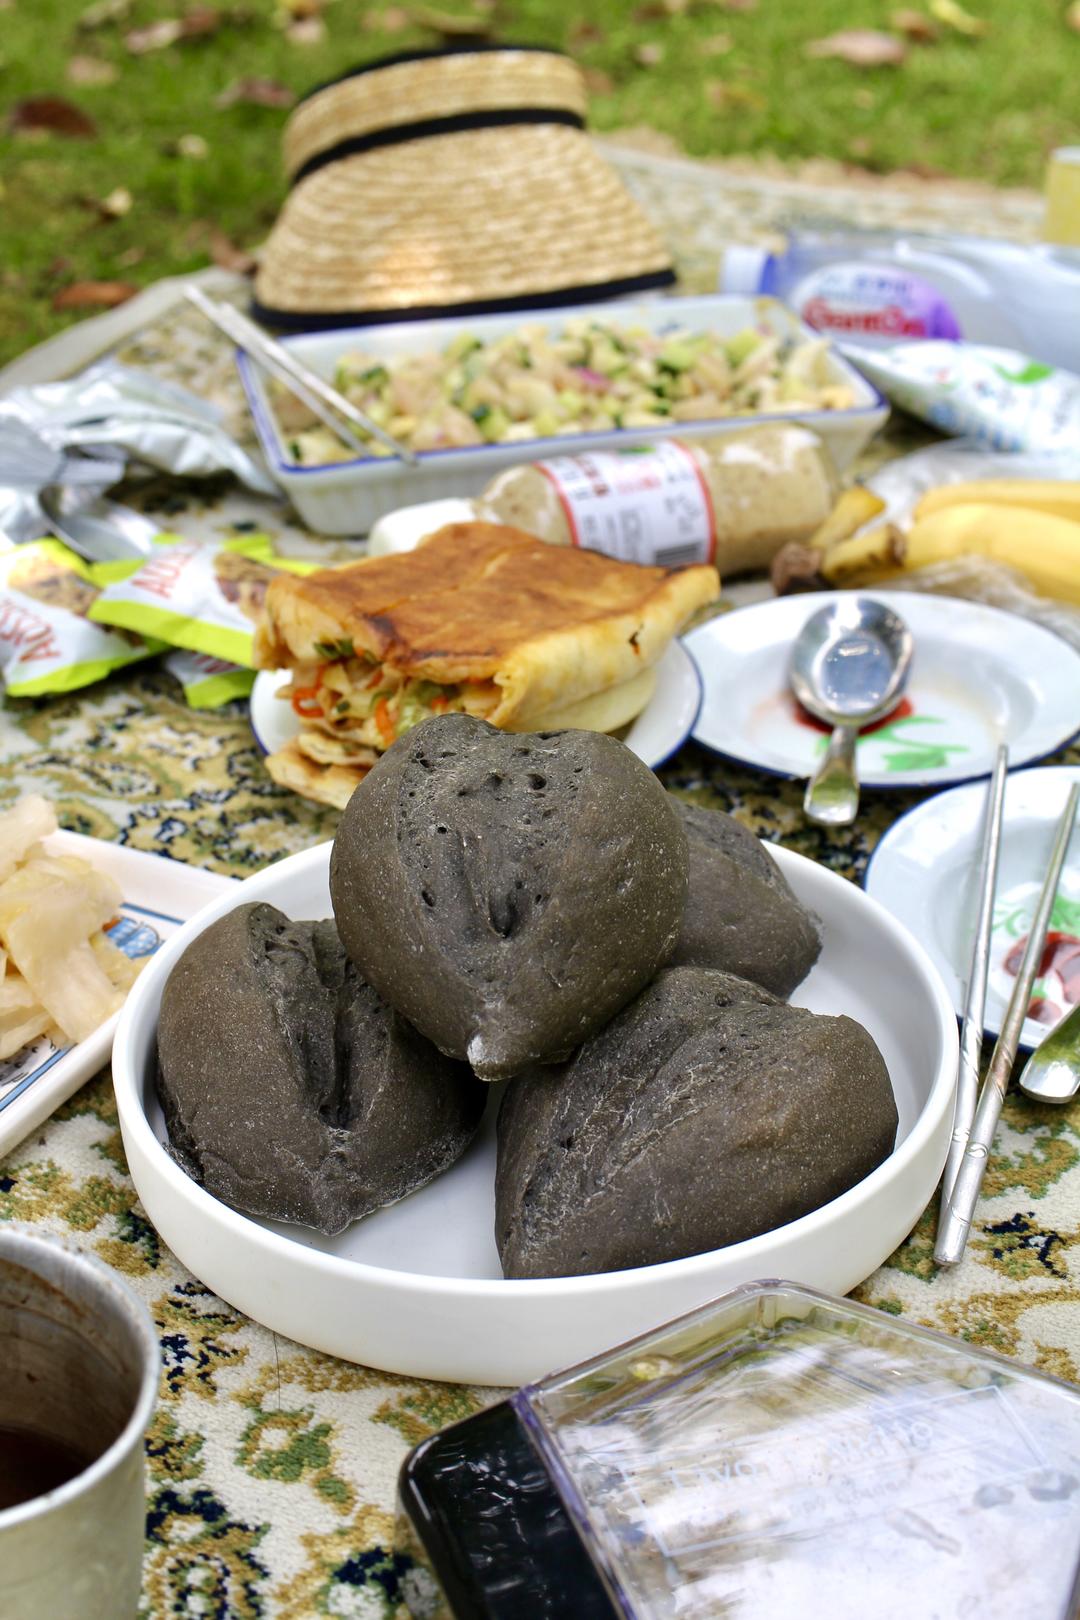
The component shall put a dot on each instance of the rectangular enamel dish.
(347, 497)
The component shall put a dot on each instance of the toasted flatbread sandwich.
(479, 618)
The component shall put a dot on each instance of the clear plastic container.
(777, 1453)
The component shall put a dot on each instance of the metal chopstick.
(956, 1223)
(317, 394)
(971, 1034)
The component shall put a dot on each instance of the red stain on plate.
(1060, 964)
(903, 709)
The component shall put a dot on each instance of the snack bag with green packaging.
(208, 682)
(1001, 399)
(47, 640)
(203, 595)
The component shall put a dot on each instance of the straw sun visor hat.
(450, 182)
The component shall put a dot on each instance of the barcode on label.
(679, 555)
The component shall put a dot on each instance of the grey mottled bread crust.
(290, 1089)
(741, 915)
(706, 1112)
(508, 893)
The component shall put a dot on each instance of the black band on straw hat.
(422, 128)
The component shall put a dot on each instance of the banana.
(1040, 545)
(1058, 496)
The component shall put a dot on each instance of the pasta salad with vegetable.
(591, 376)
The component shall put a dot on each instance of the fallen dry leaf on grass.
(116, 204)
(198, 23)
(597, 82)
(306, 31)
(449, 24)
(582, 32)
(56, 268)
(861, 47)
(924, 171)
(717, 45)
(203, 237)
(649, 55)
(1072, 17)
(257, 93)
(104, 12)
(52, 115)
(954, 16)
(658, 10)
(228, 256)
(155, 36)
(392, 20)
(193, 147)
(94, 295)
(724, 96)
(90, 70)
(914, 25)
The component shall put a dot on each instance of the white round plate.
(979, 676)
(658, 732)
(417, 1288)
(925, 871)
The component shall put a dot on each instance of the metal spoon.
(99, 530)
(1052, 1072)
(849, 665)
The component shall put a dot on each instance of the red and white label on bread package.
(642, 506)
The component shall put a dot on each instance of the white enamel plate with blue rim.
(925, 872)
(159, 897)
(658, 732)
(979, 676)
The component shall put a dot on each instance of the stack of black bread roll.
(534, 909)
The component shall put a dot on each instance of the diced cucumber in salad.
(588, 377)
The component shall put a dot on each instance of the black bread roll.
(741, 915)
(290, 1090)
(508, 893)
(706, 1112)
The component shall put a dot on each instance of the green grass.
(989, 108)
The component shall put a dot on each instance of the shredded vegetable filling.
(365, 706)
(591, 377)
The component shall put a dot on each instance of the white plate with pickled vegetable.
(78, 918)
(658, 732)
(472, 397)
(925, 870)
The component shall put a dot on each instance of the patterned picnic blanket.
(271, 1468)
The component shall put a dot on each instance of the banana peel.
(798, 566)
(855, 508)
